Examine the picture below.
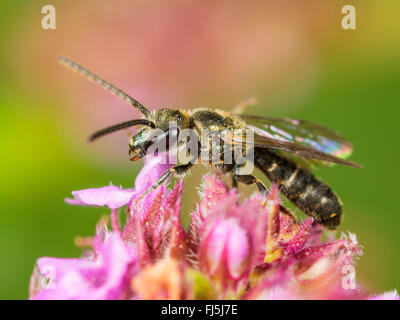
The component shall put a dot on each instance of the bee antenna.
(120, 126)
(106, 85)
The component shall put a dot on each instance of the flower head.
(248, 250)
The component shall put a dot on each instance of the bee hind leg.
(249, 179)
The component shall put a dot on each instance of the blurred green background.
(294, 57)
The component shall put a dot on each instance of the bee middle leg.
(234, 182)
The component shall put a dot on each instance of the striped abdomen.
(308, 193)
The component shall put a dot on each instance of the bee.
(284, 149)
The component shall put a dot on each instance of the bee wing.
(297, 149)
(303, 133)
(307, 163)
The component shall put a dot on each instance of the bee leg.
(287, 212)
(234, 182)
(249, 179)
(177, 170)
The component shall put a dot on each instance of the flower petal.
(102, 278)
(110, 196)
(153, 168)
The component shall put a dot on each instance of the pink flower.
(103, 277)
(116, 197)
(232, 238)
(110, 196)
(248, 250)
(155, 229)
(302, 266)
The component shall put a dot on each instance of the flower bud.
(225, 251)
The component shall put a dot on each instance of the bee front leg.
(173, 171)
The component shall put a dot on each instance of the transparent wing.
(297, 149)
(312, 143)
(301, 132)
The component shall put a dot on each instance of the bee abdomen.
(299, 185)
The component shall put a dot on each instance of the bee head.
(167, 122)
(155, 133)
(150, 141)
(139, 143)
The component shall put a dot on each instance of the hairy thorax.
(215, 120)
